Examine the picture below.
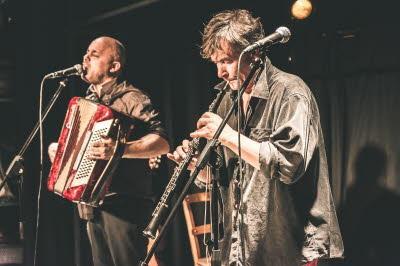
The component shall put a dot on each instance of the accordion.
(73, 175)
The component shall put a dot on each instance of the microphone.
(71, 71)
(282, 35)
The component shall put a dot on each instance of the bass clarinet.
(162, 206)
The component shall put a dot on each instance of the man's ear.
(115, 67)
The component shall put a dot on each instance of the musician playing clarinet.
(280, 211)
(115, 228)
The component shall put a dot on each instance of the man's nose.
(222, 72)
(86, 58)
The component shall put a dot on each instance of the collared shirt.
(288, 215)
(131, 177)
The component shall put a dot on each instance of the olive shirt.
(288, 211)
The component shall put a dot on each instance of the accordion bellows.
(73, 175)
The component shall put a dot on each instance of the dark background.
(347, 51)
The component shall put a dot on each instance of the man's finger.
(177, 157)
(170, 156)
(203, 121)
(97, 144)
(179, 150)
(92, 156)
(185, 148)
(185, 142)
(200, 133)
(105, 139)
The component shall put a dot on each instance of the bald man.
(115, 228)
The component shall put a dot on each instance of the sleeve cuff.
(268, 159)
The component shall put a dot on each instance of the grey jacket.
(288, 215)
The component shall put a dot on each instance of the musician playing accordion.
(115, 228)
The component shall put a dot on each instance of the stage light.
(301, 9)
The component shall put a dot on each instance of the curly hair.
(238, 27)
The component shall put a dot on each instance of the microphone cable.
(40, 171)
(62, 85)
(240, 171)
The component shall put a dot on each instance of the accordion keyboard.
(86, 165)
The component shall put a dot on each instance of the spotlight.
(301, 9)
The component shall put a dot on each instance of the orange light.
(301, 9)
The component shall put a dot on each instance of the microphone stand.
(16, 167)
(217, 230)
(202, 161)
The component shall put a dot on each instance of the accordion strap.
(111, 166)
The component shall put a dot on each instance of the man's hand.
(180, 153)
(51, 150)
(208, 124)
(103, 149)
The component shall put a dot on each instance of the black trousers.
(115, 232)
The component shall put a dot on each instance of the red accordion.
(73, 175)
